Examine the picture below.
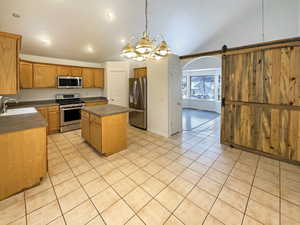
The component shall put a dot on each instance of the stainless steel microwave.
(69, 82)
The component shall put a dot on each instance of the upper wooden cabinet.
(64, 70)
(88, 77)
(140, 72)
(40, 75)
(76, 71)
(26, 75)
(44, 76)
(99, 78)
(68, 71)
(9, 63)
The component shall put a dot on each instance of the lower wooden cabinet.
(106, 134)
(23, 160)
(52, 115)
(85, 125)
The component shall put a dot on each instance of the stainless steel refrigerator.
(138, 102)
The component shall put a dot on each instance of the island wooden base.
(23, 160)
(107, 134)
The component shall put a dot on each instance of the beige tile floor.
(186, 179)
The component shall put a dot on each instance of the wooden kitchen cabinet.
(23, 160)
(140, 72)
(53, 119)
(76, 71)
(26, 75)
(9, 63)
(52, 116)
(63, 70)
(44, 76)
(88, 77)
(85, 125)
(43, 111)
(107, 134)
(99, 78)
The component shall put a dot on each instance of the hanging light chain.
(146, 15)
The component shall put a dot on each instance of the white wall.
(160, 98)
(277, 21)
(157, 80)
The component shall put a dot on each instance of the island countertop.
(106, 110)
(21, 122)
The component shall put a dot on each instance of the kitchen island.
(104, 127)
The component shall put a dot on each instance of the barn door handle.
(223, 101)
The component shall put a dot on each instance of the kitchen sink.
(19, 111)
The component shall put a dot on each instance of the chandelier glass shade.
(142, 48)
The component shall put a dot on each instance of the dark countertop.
(45, 103)
(21, 122)
(106, 110)
(42, 103)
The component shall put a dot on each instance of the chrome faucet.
(4, 102)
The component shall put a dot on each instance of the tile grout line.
(228, 175)
(62, 214)
(89, 199)
(251, 187)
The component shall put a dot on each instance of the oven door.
(71, 115)
(69, 82)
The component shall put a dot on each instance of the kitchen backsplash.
(49, 93)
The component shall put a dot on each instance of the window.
(202, 87)
(184, 86)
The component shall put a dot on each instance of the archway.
(201, 91)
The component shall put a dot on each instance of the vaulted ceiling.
(93, 30)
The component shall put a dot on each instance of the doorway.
(201, 92)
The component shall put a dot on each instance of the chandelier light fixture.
(144, 47)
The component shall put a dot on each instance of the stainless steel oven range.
(70, 111)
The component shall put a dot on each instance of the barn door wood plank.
(275, 75)
(295, 74)
(293, 134)
(284, 76)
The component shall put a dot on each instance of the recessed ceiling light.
(16, 15)
(89, 49)
(123, 41)
(44, 39)
(110, 16)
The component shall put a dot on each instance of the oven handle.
(66, 109)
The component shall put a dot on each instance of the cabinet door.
(64, 70)
(26, 75)
(8, 65)
(53, 121)
(140, 72)
(88, 77)
(85, 125)
(44, 76)
(76, 71)
(44, 112)
(99, 78)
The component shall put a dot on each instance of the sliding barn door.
(261, 101)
